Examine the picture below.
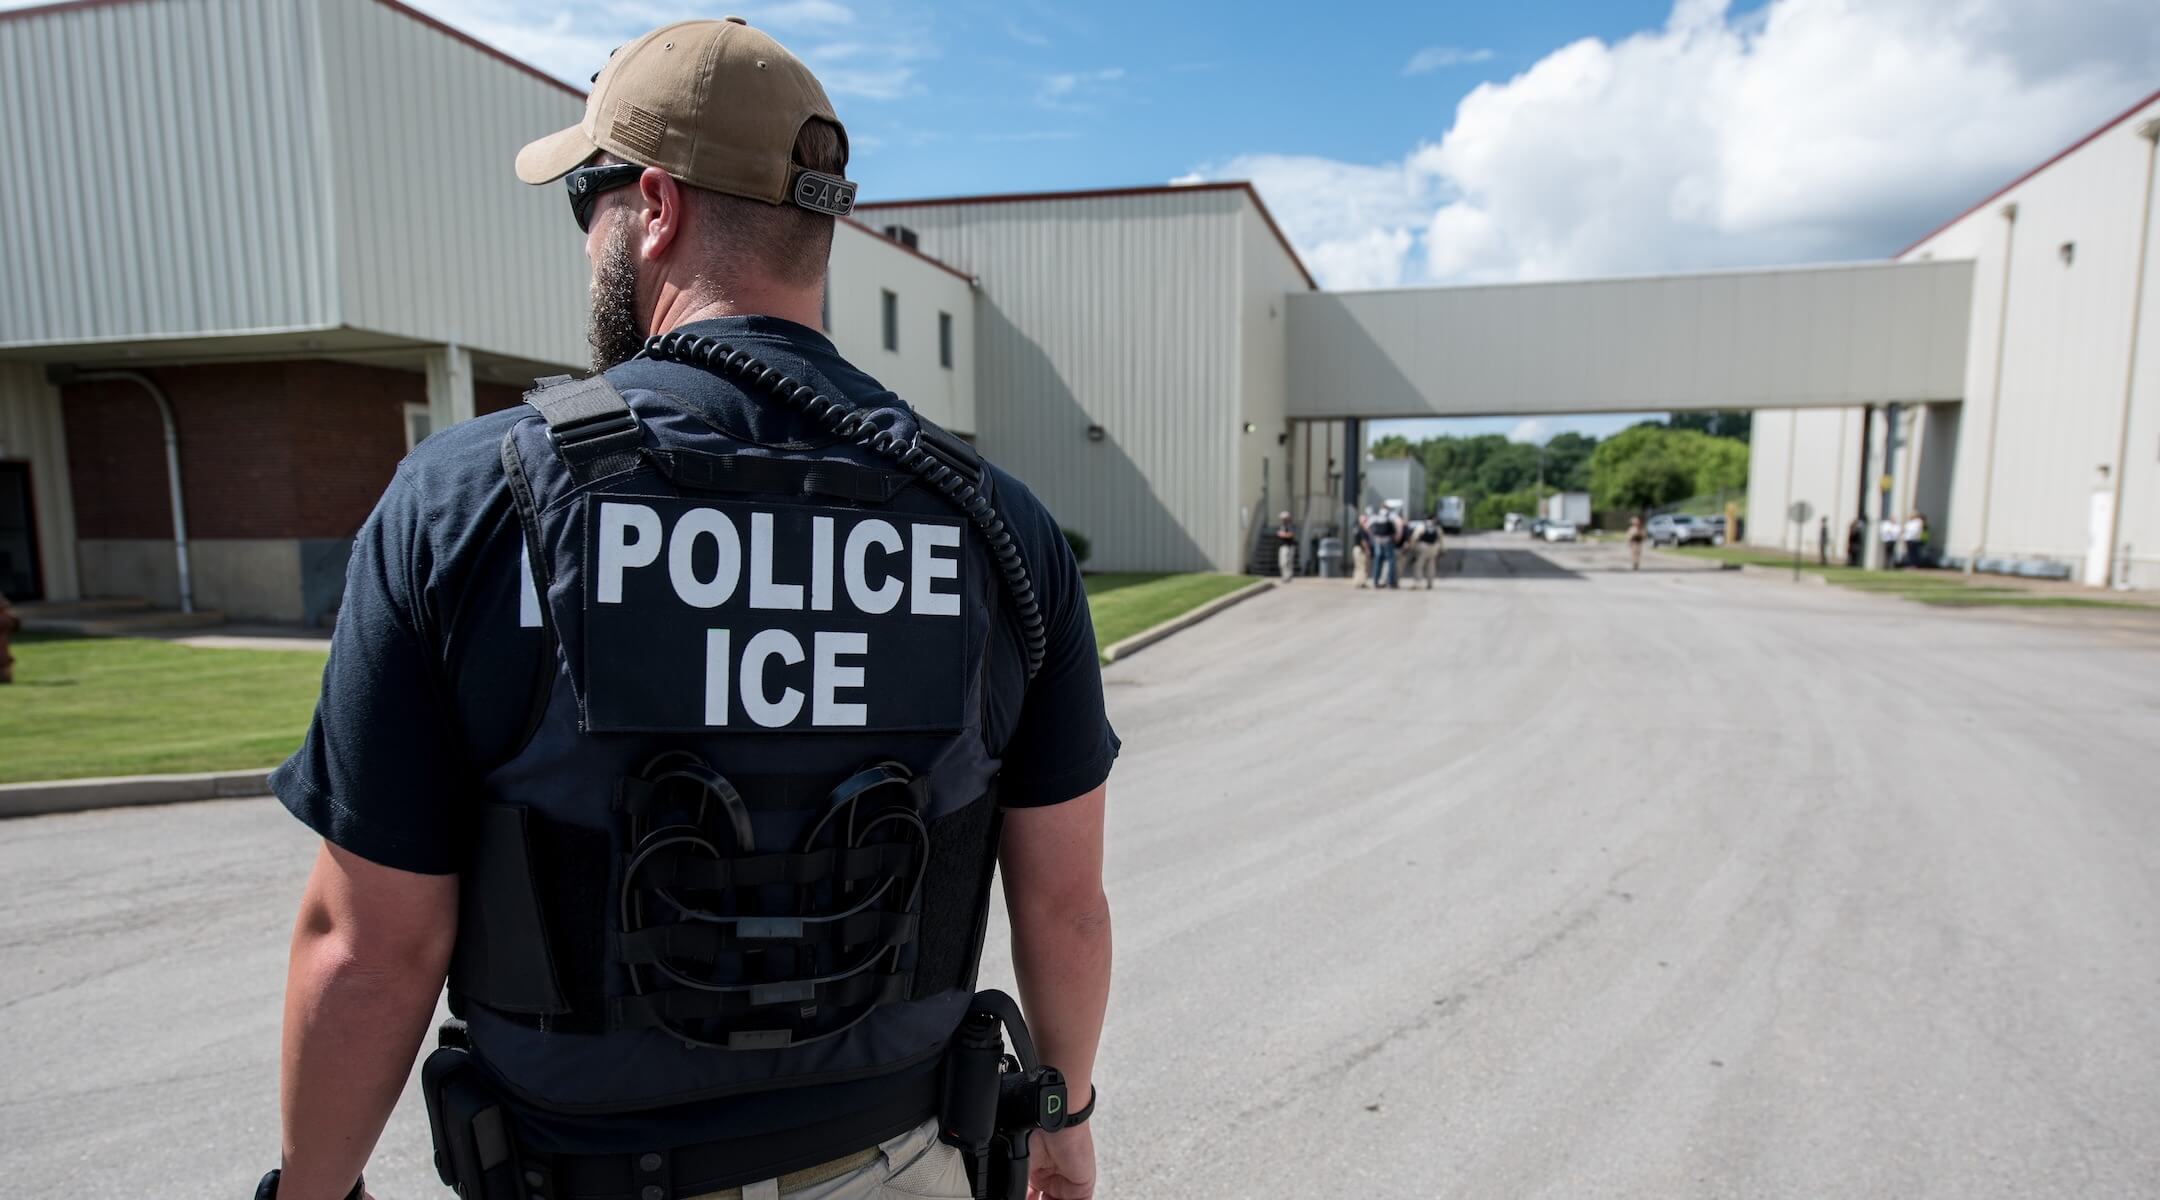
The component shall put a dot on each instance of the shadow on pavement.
(1479, 562)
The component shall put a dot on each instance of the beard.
(612, 328)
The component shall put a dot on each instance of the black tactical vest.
(748, 845)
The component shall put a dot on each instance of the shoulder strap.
(590, 424)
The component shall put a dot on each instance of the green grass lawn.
(134, 706)
(83, 707)
(1949, 589)
(1123, 604)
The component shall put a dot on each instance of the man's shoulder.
(464, 451)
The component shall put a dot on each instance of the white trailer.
(1572, 507)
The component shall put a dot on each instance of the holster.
(475, 1148)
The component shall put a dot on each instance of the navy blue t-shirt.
(433, 663)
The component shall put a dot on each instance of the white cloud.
(1077, 91)
(1808, 130)
(1533, 430)
(1353, 224)
(1433, 58)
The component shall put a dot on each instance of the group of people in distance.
(1387, 546)
(1904, 543)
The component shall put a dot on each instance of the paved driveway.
(1554, 881)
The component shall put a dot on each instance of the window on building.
(944, 339)
(417, 425)
(892, 320)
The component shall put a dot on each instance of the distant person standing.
(1916, 539)
(1423, 549)
(1635, 537)
(1855, 537)
(1361, 551)
(1285, 547)
(1386, 536)
(1889, 530)
(1822, 540)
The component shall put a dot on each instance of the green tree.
(1718, 423)
(1394, 445)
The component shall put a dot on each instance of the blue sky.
(1435, 143)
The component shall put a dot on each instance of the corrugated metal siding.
(864, 266)
(1819, 336)
(163, 172)
(437, 239)
(1804, 454)
(1266, 276)
(2064, 358)
(31, 429)
(1117, 311)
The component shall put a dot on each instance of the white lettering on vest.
(682, 546)
(874, 601)
(828, 676)
(928, 567)
(716, 676)
(821, 530)
(768, 644)
(617, 552)
(764, 593)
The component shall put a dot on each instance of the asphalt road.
(1554, 881)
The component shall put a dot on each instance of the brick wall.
(297, 449)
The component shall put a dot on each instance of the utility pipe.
(2002, 332)
(172, 463)
(2150, 131)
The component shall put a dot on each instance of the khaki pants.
(1361, 564)
(1286, 560)
(913, 1166)
(1424, 560)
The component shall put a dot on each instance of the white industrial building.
(2045, 456)
(269, 243)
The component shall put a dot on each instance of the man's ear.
(660, 213)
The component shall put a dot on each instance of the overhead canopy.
(1804, 337)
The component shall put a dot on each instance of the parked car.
(1536, 527)
(1559, 531)
(1680, 529)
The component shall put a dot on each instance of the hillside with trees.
(1648, 466)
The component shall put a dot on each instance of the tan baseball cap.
(716, 104)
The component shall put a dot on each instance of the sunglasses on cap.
(586, 183)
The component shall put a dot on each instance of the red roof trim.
(2066, 152)
(1159, 189)
(940, 264)
(507, 60)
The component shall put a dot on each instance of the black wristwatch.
(267, 1189)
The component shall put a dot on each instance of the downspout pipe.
(66, 375)
(2118, 567)
(2002, 335)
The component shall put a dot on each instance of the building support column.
(2002, 333)
(2111, 572)
(449, 386)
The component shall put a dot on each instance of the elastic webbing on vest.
(590, 424)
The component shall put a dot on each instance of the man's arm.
(1051, 859)
(369, 952)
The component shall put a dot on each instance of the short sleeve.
(382, 773)
(1063, 745)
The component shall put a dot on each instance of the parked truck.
(1449, 513)
(1571, 507)
(1388, 479)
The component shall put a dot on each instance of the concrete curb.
(1148, 637)
(81, 795)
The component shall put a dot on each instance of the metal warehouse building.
(269, 244)
(2044, 456)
